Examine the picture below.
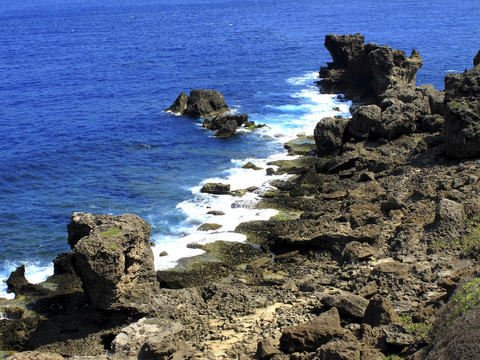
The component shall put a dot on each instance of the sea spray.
(284, 123)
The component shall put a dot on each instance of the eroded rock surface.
(200, 103)
(115, 261)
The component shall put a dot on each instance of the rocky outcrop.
(462, 114)
(225, 125)
(115, 261)
(365, 71)
(19, 285)
(179, 105)
(148, 338)
(200, 103)
(313, 334)
(385, 80)
(329, 135)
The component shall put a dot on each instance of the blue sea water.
(83, 85)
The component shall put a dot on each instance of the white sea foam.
(285, 122)
(34, 273)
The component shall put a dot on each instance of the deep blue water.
(83, 85)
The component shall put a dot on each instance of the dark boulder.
(205, 103)
(219, 121)
(397, 119)
(365, 71)
(265, 350)
(227, 130)
(363, 121)
(179, 105)
(329, 135)
(19, 285)
(115, 262)
(347, 303)
(379, 312)
(200, 103)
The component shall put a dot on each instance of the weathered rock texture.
(113, 258)
(365, 71)
(313, 334)
(329, 135)
(225, 125)
(462, 114)
(200, 103)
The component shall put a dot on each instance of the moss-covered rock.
(209, 227)
(220, 259)
(304, 145)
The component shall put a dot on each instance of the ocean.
(83, 86)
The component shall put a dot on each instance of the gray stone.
(329, 135)
(145, 333)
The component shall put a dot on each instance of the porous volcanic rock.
(313, 334)
(462, 114)
(200, 103)
(347, 303)
(140, 339)
(115, 262)
(329, 135)
(365, 71)
(363, 120)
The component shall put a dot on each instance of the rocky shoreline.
(374, 253)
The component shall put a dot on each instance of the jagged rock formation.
(365, 71)
(112, 256)
(462, 113)
(225, 125)
(200, 103)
